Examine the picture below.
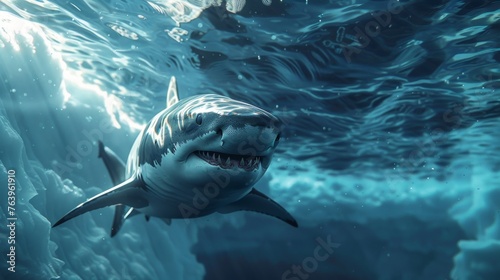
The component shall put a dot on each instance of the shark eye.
(277, 138)
(198, 119)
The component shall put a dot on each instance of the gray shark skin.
(198, 156)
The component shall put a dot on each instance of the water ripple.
(351, 99)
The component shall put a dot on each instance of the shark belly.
(171, 195)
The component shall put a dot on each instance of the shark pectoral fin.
(127, 193)
(172, 95)
(114, 165)
(118, 219)
(259, 202)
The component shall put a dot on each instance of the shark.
(198, 156)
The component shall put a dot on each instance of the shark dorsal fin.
(172, 95)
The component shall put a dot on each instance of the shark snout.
(249, 140)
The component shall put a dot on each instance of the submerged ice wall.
(44, 141)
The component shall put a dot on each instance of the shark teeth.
(228, 161)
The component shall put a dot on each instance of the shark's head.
(212, 138)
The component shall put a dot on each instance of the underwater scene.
(250, 139)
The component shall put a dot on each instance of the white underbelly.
(169, 197)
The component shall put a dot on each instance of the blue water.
(391, 148)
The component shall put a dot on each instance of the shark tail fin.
(121, 216)
(118, 219)
(114, 165)
(116, 170)
(127, 193)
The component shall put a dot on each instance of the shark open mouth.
(228, 161)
